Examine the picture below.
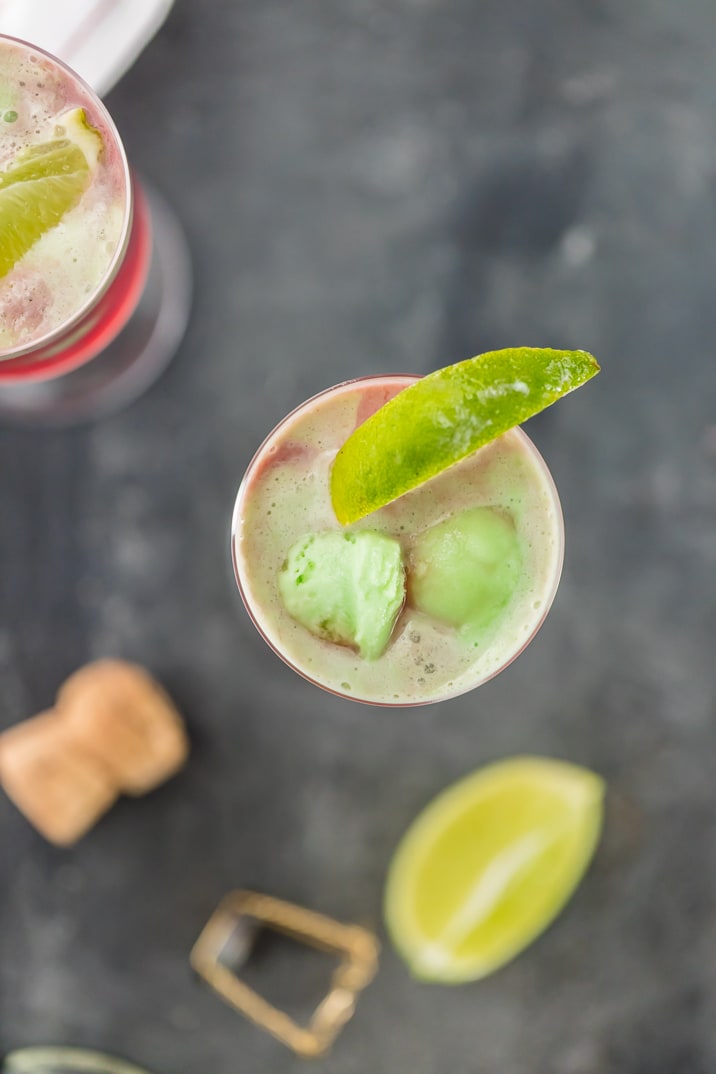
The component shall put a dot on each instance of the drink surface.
(65, 268)
(285, 495)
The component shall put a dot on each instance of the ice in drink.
(481, 546)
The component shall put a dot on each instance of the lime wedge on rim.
(43, 183)
(443, 418)
(489, 864)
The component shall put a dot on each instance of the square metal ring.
(244, 911)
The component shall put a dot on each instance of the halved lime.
(489, 864)
(443, 418)
(43, 183)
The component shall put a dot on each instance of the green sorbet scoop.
(347, 588)
(463, 571)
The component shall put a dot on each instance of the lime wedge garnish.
(489, 864)
(43, 183)
(443, 418)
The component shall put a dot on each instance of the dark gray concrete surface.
(367, 186)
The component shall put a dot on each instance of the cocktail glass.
(299, 451)
(114, 344)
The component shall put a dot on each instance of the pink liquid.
(66, 297)
(86, 339)
(285, 495)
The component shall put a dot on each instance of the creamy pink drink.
(53, 284)
(95, 274)
(480, 550)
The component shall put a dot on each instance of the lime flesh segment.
(489, 864)
(43, 183)
(443, 418)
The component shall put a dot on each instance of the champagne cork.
(61, 790)
(113, 731)
(126, 720)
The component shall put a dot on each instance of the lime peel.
(459, 908)
(43, 183)
(446, 416)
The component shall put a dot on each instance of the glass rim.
(39, 1060)
(55, 334)
(550, 591)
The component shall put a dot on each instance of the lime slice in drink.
(43, 183)
(443, 418)
(489, 864)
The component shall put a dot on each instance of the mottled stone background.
(392, 185)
